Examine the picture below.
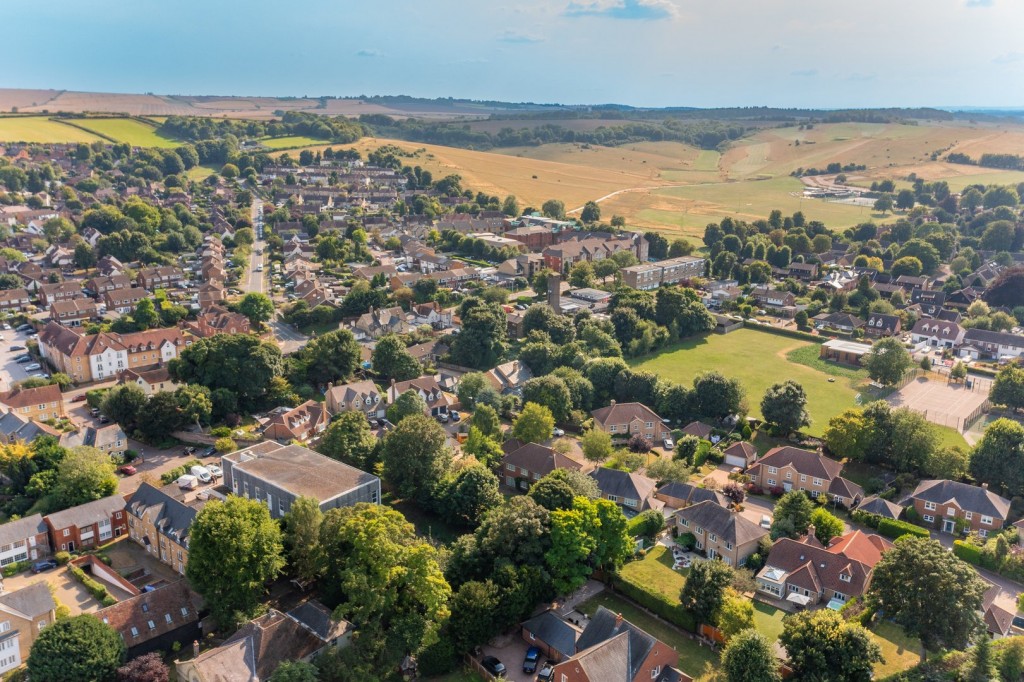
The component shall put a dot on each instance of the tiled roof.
(876, 505)
(20, 529)
(728, 525)
(540, 459)
(804, 461)
(88, 513)
(153, 614)
(623, 413)
(554, 632)
(32, 601)
(171, 518)
(30, 397)
(623, 484)
(970, 498)
(606, 627)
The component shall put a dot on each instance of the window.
(700, 531)
(135, 631)
(167, 617)
(928, 518)
(789, 475)
(815, 493)
(649, 425)
(986, 520)
(817, 482)
(145, 608)
(712, 537)
(803, 478)
(684, 523)
(771, 481)
(613, 428)
(67, 532)
(968, 515)
(184, 610)
(845, 577)
(5, 626)
(630, 503)
(613, 498)
(655, 672)
(728, 545)
(983, 533)
(773, 470)
(510, 467)
(151, 624)
(930, 506)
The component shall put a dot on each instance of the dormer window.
(845, 577)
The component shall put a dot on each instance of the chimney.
(618, 619)
(195, 648)
(810, 530)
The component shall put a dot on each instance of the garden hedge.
(894, 529)
(968, 552)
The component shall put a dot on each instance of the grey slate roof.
(605, 626)
(884, 508)
(727, 525)
(691, 494)
(317, 618)
(970, 498)
(88, 513)
(21, 529)
(623, 484)
(33, 601)
(553, 631)
(170, 516)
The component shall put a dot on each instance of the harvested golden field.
(137, 105)
(11, 99)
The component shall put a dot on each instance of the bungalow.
(698, 429)
(791, 468)
(950, 506)
(634, 492)
(843, 322)
(527, 464)
(720, 532)
(937, 333)
(623, 420)
(806, 572)
(357, 396)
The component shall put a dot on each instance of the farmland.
(130, 131)
(42, 130)
(289, 142)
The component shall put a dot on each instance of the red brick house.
(791, 468)
(946, 504)
(524, 466)
(87, 525)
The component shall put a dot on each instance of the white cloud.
(623, 9)
(369, 53)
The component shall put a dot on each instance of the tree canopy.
(75, 649)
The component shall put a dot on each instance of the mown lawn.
(655, 571)
(768, 620)
(759, 359)
(289, 142)
(692, 656)
(128, 130)
(900, 651)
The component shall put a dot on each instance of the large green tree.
(330, 357)
(749, 658)
(406, 404)
(534, 424)
(416, 458)
(482, 340)
(887, 361)
(931, 593)
(234, 549)
(241, 363)
(551, 392)
(705, 590)
(998, 458)
(822, 647)
(1008, 388)
(76, 649)
(302, 538)
(257, 307)
(792, 515)
(391, 360)
(349, 439)
(468, 495)
(717, 397)
(785, 406)
(85, 474)
(384, 578)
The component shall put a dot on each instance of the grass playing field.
(289, 142)
(42, 130)
(758, 359)
(130, 131)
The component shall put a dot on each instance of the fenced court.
(956, 405)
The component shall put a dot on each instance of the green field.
(289, 142)
(129, 131)
(42, 130)
(198, 173)
(758, 359)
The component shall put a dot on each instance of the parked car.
(104, 419)
(23, 327)
(557, 432)
(202, 473)
(6, 327)
(80, 398)
(22, 359)
(547, 672)
(669, 444)
(190, 449)
(128, 470)
(215, 470)
(15, 349)
(766, 522)
(442, 417)
(40, 375)
(531, 660)
(33, 367)
(456, 417)
(44, 565)
(209, 452)
(95, 411)
(493, 665)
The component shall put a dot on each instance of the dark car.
(14, 349)
(22, 359)
(493, 665)
(456, 417)
(23, 327)
(44, 565)
(79, 398)
(531, 660)
(547, 673)
(209, 452)
(190, 449)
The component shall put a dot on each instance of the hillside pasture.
(289, 142)
(42, 130)
(129, 131)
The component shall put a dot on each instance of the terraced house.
(41, 402)
(95, 357)
(87, 525)
(161, 524)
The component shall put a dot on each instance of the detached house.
(773, 298)
(357, 396)
(880, 325)
(509, 377)
(429, 388)
(947, 505)
(623, 420)
(300, 423)
(376, 323)
(87, 525)
(806, 572)
(937, 333)
(791, 468)
(526, 465)
(634, 492)
(151, 381)
(720, 532)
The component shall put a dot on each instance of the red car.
(78, 398)
(128, 470)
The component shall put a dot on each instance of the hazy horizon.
(644, 53)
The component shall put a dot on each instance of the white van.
(202, 473)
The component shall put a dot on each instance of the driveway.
(153, 463)
(510, 650)
(66, 589)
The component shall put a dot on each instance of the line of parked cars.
(530, 664)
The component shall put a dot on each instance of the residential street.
(287, 337)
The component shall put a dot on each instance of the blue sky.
(819, 53)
